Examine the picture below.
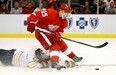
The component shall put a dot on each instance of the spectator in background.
(111, 9)
(37, 2)
(107, 2)
(29, 1)
(73, 11)
(9, 5)
(44, 3)
(16, 9)
(94, 7)
(58, 3)
(115, 3)
(28, 9)
(102, 6)
(21, 3)
(82, 2)
(40, 7)
(3, 2)
(3, 9)
(108, 5)
(85, 9)
(16, 0)
(51, 4)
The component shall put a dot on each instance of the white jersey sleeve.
(26, 59)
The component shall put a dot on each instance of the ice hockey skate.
(55, 65)
(78, 60)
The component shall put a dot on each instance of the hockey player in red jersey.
(55, 22)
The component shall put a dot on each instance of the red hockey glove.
(55, 34)
(31, 27)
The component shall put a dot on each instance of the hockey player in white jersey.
(33, 58)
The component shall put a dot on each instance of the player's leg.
(69, 53)
(48, 43)
(41, 38)
(54, 53)
(6, 56)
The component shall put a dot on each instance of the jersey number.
(44, 13)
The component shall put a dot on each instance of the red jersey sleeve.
(31, 18)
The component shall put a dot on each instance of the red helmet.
(65, 7)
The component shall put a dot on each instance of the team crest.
(70, 21)
(94, 22)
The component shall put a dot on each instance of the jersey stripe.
(54, 53)
(17, 58)
(67, 52)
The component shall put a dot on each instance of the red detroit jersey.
(49, 20)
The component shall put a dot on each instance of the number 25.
(44, 13)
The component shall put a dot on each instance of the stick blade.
(103, 45)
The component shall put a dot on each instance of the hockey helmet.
(41, 55)
(65, 7)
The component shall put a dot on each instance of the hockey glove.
(55, 35)
(31, 27)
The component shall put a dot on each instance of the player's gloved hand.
(56, 36)
(56, 33)
(31, 27)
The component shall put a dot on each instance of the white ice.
(104, 56)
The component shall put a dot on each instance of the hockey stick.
(99, 46)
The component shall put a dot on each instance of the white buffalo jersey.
(25, 59)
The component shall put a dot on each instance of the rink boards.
(79, 26)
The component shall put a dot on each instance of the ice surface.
(105, 55)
